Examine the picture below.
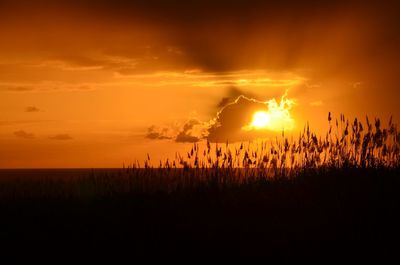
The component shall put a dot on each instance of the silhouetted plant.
(346, 145)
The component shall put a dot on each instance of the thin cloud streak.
(24, 135)
(61, 137)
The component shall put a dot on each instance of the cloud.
(45, 86)
(227, 125)
(230, 120)
(61, 137)
(20, 88)
(138, 59)
(252, 81)
(235, 121)
(24, 135)
(255, 42)
(232, 94)
(31, 109)
(154, 132)
(193, 131)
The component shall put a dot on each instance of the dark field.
(330, 213)
(334, 197)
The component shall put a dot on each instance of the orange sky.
(101, 83)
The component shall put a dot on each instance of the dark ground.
(337, 215)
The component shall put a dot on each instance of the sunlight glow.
(276, 117)
(260, 119)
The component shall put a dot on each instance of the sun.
(261, 119)
(275, 117)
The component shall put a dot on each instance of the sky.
(101, 83)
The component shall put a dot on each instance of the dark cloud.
(228, 125)
(232, 94)
(32, 109)
(24, 135)
(61, 137)
(348, 41)
(213, 35)
(232, 118)
(20, 89)
(154, 133)
(193, 131)
(356, 40)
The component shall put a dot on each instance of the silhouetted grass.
(330, 196)
(346, 146)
